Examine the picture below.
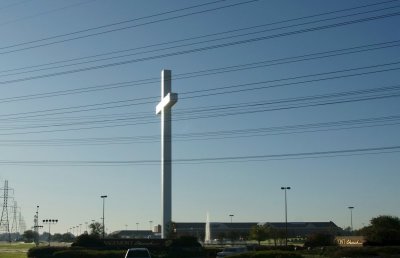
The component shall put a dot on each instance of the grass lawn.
(12, 255)
(14, 250)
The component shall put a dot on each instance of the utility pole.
(103, 197)
(286, 231)
(36, 226)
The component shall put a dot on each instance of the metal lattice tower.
(4, 220)
(14, 224)
(21, 223)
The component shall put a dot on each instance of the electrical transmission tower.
(14, 224)
(21, 223)
(4, 220)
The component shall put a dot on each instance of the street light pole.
(50, 221)
(231, 215)
(103, 197)
(351, 217)
(285, 188)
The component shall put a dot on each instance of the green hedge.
(367, 251)
(45, 251)
(269, 254)
(88, 254)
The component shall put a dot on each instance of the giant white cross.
(168, 99)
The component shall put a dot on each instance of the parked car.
(232, 251)
(137, 253)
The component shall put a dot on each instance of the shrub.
(84, 253)
(320, 239)
(269, 254)
(45, 251)
(384, 230)
(86, 240)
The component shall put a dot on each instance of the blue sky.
(323, 87)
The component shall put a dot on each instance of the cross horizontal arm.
(167, 102)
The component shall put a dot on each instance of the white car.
(232, 251)
(137, 253)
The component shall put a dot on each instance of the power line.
(226, 159)
(200, 49)
(212, 112)
(45, 12)
(238, 88)
(214, 71)
(172, 47)
(221, 134)
(168, 12)
(122, 28)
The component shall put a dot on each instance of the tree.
(29, 236)
(170, 230)
(86, 240)
(96, 229)
(277, 234)
(260, 233)
(384, 230)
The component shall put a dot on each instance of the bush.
(269, 254)
(367, 251)
(384, 230)
(45, 251)
(320, 239)
(354, 252)
(86, 240)
(84, 253)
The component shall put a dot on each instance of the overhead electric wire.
(244, 108)
(213, 135)
(172, 47)
(291, 78)
(200, 49)
(227, 90)
(45, 12)
(122, 28)
(225, 159)
(191, 7)
(207, 72)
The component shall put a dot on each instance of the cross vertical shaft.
(168, 99)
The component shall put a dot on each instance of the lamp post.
(103, 197)
(151, 223)
(351, 217)
(36, 226)
(137, 226)
(285, 188)
(231, 215)
(50, 221)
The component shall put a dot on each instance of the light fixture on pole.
(103, 197)
(36, 226)
(231, 215)
(50, 221)
(285, 188)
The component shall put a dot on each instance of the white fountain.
(207, 238)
